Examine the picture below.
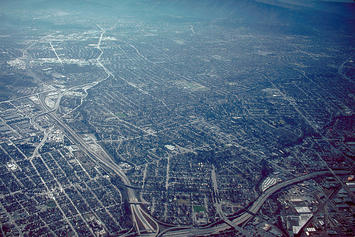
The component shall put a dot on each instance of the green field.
(198, 208)
(121, 115)
(51, 204)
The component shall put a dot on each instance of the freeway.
(143, 222)
(251, 211)
(341, 71)
(106, 160)
(218, 205)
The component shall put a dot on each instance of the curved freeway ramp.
(252, 210)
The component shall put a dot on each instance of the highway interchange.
(255, 207)
(143, 222)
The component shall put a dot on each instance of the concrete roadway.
(253, 209)
(105, 159)
(152, 226)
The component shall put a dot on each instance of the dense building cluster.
(123, 127)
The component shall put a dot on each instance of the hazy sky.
(301, 2)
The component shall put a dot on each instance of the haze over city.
(177, 118)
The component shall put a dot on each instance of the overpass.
(251, 212)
